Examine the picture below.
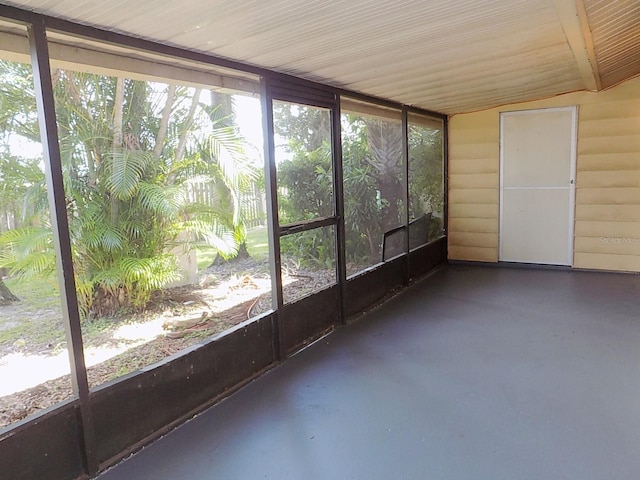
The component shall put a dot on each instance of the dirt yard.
(177, 318)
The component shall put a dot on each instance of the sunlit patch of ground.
(19, 371)
(33, 376)
(22, 370)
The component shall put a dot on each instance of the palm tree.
(130, 150)
(231, 172)
(385, 144)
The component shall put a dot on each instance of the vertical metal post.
(271, 190)
(338, 188)
(445, 180)
(405, 154)
(62, 242)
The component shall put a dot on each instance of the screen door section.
(306, 199)
(537, 186)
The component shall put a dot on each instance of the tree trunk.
(6, 296)
(374, 244)
(243, 254)
(164, 122)
(182, 142)
(390, 190)
(224, 107)
(107, 303)
(118, 105)
(385, 145)
(117, 136)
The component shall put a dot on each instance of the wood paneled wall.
(607, 217)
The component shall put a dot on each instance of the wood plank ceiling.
(450, 56)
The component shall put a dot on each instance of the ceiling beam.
(15, 47)
(574, 21)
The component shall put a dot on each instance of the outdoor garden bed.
(226, 295)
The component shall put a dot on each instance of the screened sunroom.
(319, 239)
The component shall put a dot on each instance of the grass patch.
(258, 243)
(36, 318)
(96, 327)
(257, 246)
(37, 293)
(37, 332)
(205, 255)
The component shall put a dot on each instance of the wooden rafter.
(573, 17)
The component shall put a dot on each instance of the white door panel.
(536, 186)
(536, 226)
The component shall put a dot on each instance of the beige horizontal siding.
(474, 180)
(475, 239)
(618, 213)
(481, 125)
(608, 230)
(619, 144)
(477, 135)
(599, 261)
(475, 254)
(474, 195)
(606, 127)
(607, 161)
(608, 245)
(463, 166)
(599, 111)
(607, 214)
(623, 177)
(474, 151)
(474, 225)
(473, 187)
(608, 196)
(473, 210)
(607, 227)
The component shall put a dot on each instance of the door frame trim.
(573, 109)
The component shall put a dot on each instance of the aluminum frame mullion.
(445, 179)
(405, 191)
(338, 187)
(273, 222)
(306, 225)
(45, 101)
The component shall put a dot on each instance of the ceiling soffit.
(450, 56)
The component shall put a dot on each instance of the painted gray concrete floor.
(474, 373)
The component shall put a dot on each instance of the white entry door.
(537, 185)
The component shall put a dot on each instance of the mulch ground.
(19, 405)
(184, 301)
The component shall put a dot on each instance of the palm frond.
(226, 146)
(125, 169)
(150, 273)
(27, 252)
(167, 201)
(222, 239)
(112, 238)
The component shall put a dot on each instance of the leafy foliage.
(374, 180)
(374, 184)
(426, 176)
(306, 185)
(131, 151)
(305, 182)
